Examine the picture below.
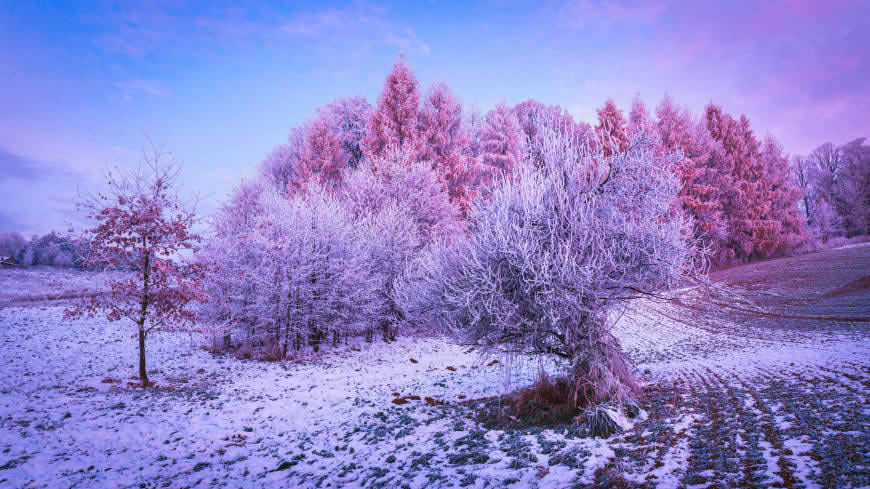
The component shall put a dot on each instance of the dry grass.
(547, 402)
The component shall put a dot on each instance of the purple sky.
(84, 87)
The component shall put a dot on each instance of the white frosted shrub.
(297, 276)
(553, 256)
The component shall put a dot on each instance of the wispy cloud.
(134, 88)
(141, 30)
(355, 24)
(25, 179)
(19, 167)
(585, 13)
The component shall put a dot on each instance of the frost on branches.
(319, 264)
(139, 224)
(554, 256)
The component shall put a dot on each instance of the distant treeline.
(50, 249)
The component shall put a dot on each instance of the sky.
(86, 86)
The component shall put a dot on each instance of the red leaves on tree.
(140, 226)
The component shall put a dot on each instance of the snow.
(805, 465)
(71, 415)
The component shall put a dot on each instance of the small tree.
(140, 224)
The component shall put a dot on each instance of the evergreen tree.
(394, 122)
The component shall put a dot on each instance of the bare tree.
(801, 168)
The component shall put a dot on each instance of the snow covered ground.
(751, 404)
(42, 284)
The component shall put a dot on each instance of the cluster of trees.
(305, 265)
(50, 249)
(736, 187)
(835, 187)
(523, 229)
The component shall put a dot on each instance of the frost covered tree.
(349, 118)
(501, 142)
(756, 192)
(855, 187)
(445, 143)
(280, 168)
(141, 224)
(800, 166)
(699, 194)
(401, 207)
(394, 121)
(310, 283)
(554, 256)
(738, 167)
(322, 158)
(390, 239)
(292, 275)
(11, 244)
(639, 120)
(839, 177)
(532, 115)
(782, 227)
(396, 179)
(611, 129)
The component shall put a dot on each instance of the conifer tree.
(394, 122)
(611, 130)
(501, 141)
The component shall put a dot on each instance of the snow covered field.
(39, 285)
(774, 402)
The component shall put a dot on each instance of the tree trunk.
(807, 208)
(143, 374)
(146, 274)
(601, 373)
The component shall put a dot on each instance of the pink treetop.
(677, 133)
(501, 140)
(446, 143)
(611, 128)
(675, 127)
(440, 124)
(638, 118)
(394, 122)
(322, 157)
